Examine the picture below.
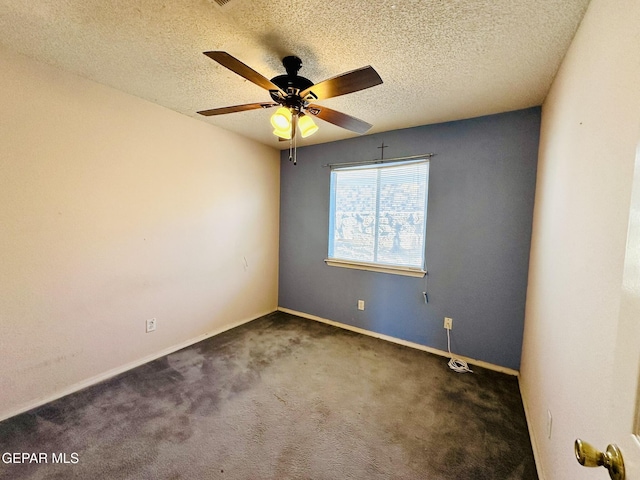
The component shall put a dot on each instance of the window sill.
(373, 267)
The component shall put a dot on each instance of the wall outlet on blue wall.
(448, 323)
(360, 304)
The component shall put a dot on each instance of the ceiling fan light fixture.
(307, 126)
(281, 119)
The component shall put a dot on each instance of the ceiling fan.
(295, 96)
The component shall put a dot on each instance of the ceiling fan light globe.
(307, 126)
(284, 133)
(281, 119)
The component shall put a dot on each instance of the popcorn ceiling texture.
(439, 60)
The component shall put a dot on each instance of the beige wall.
(112, 211)
(590, 131)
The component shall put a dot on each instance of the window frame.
(374, 266)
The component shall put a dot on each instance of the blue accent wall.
(481, 195)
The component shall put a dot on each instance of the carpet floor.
(281, 397)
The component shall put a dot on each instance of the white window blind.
(378, 213)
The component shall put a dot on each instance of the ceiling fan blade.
(338, 118)
(236, 108)
(236, 66)
(349, 82)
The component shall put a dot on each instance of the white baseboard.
(442, 353)
(532, 435)
(118, 370)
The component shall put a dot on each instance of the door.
(625, 399)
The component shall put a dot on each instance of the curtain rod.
(386, 160)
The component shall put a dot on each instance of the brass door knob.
(588, 456)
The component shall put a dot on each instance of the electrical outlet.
(448, 323)
(151, 325)
(360, 304)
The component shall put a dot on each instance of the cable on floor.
(456, 364)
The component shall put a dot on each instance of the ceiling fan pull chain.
(295, 141)
(290, 149)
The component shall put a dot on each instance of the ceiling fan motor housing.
(291, 83)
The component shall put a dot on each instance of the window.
(378, 216)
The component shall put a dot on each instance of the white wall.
(114, 210)
(590, 131)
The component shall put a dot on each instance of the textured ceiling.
(440, 60)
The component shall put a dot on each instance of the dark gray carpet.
(282, 398)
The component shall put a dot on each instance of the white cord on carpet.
(456, 364)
